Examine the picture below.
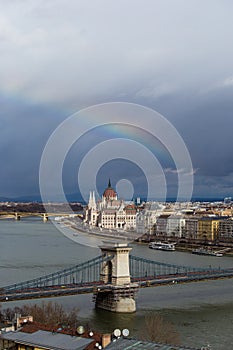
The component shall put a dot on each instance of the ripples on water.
(202, 312)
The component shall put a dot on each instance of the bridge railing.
(86, 272)
(141, 267)
(89, 273)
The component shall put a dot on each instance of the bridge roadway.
(93, 287)
(27, 213)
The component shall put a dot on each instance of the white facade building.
(175, 225)
(146, 219)
(170, 225)
(110, 212)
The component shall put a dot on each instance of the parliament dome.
(109, 192)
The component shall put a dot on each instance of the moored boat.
(204, 251)
(162, 246)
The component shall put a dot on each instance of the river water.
(201, 312)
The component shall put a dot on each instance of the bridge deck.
(92, 287)
(85, 278)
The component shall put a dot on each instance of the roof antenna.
(109, 183)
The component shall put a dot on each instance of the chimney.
(106, 339)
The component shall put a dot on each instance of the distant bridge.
(88, 277)
(44, 216)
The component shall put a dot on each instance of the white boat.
(204, 251)
(162, 246)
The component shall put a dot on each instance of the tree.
(157, 329)
(8, 313)
(49, 313)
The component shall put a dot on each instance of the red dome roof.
(110, 193)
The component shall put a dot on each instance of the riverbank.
(114, 236)
(189, 247)
(108, 235)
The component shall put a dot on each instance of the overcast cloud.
(175, 56)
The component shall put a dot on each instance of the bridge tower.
(45, 217)
(17, 216)
(115, 273)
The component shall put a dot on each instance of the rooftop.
(49, 340)
(133, 344)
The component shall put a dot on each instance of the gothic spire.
(90, 200)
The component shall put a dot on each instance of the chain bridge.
(113, 277)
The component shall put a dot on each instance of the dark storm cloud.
(208, 132)
(205, 123)
(173, 56)
(24, 132)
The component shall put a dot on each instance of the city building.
(36, 336)
(170, 225)
(208, 228)
(110, 212)
(175, 225)
(226, 229)
(191, 228)
(161, 225)
(43, 340)
(146, 218)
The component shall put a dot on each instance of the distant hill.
(21, 199)
(77, 198)
(73, 197)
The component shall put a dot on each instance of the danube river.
(201, 312)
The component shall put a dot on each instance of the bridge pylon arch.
(118, 263)
(115, 272)
(45, 217)
(17, 216)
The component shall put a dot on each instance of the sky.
(172, 56)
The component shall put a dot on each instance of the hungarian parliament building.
(110, 212)
(207, 221)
